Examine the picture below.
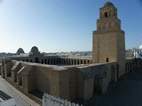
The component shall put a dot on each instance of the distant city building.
(134, 53)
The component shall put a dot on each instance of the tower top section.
(108, 10)
(108, 19)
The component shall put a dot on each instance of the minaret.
(108, 39)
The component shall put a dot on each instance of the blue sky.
(62, 25)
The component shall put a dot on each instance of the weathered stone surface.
(108, 39)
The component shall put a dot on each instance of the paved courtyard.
(126, 92)
(20, 98)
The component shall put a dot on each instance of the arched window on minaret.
(106, 14)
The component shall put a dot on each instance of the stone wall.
(80, 82)
(96, 78)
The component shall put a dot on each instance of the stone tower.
(108, 39)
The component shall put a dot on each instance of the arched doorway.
(37, 60)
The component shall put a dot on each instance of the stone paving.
(21, 99)
(126, 92)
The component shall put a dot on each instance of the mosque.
(70, 78)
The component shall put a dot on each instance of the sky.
(62, 25)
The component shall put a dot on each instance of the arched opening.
(107, 59)
(20, 80)
(71, 61)
(42, 61)
(84, 61)
(88, 62)
(36, 60)
(106, 14)
(77, 61)
(27, 60)
(45, 61)
(81, 62)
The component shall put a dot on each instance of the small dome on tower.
(20, 51)
(108, 4)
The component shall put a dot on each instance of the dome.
(109, 4)
(20, 51)
(34, 51)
